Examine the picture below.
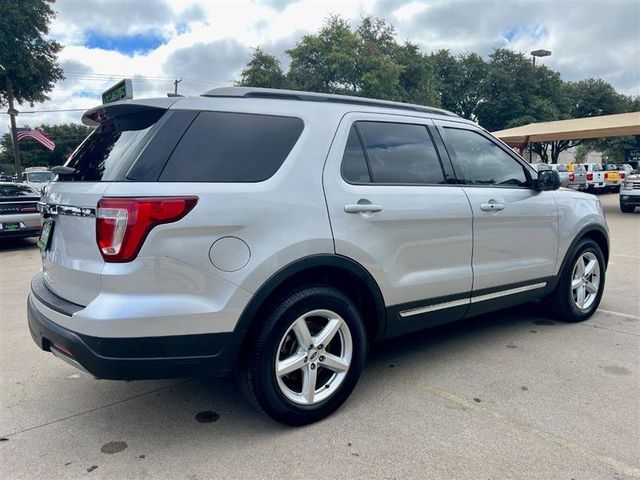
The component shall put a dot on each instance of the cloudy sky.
(207, 43)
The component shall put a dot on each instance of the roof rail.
(254, 92)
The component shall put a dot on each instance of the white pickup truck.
(595, 177)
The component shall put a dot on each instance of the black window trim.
(366, 156)
(528, 170)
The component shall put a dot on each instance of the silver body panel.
(426, 242)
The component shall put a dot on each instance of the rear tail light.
(589, 176)
(123, 223)
(29, 209)
(606, 176)
(621, 175)
(571, 177)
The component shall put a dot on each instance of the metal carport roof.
(618, 125)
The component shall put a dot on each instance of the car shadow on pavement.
(17, 244)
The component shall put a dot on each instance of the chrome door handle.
(362, 208)
(492, 206)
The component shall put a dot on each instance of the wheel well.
(600, 238)
(367, 300)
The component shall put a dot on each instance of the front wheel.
(306, 358)
(581, 283)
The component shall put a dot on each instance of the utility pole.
(175, 86)
(14, 132)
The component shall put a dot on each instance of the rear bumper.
(30, 222)
(136, 358)
(630, 197)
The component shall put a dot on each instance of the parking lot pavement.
(507, 395)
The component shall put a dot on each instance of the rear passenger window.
(395, 153)
(232, 147)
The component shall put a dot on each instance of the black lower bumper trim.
(139, 358)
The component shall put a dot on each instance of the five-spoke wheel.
(313, 357)
(585, 280)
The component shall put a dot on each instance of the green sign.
(123, 90)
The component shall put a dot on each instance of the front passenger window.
(479, 161)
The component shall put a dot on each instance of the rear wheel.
(581, 283)
(305, 360)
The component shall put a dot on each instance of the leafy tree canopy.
(27, 58)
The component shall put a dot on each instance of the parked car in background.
(5, 177)
(37, 177)
(276, 233)
(563, 179)
(612, 177)
(630, 192)
(626, 168)
(19, 215)
(576, 177)
(595, 177)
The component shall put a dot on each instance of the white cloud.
(208, 43)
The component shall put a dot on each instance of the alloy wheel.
(585, 280)
(313, 357)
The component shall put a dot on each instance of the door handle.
(492, 206)
(362, 208)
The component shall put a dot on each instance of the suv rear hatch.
(72, 262)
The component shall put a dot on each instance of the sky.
(207, 43)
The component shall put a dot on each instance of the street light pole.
(537, 53)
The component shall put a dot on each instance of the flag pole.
(14, 132)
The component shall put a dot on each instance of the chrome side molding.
(472, 299)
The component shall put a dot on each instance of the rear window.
(597, 167)
(110, 149)
(563, 168)
(14, 191)
(232, 147)
(578, 168)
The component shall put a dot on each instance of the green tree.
(460, 81)
(365, 61)
(327, 62)
(28, 59)
(66, 137)
(263, 70)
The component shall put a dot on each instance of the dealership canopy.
(618, 125)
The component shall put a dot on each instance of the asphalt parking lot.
(508, 395)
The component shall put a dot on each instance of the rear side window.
(110, 149)
(395, 153)
(479, 161)
(232, 147)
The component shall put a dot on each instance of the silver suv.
(275, 234)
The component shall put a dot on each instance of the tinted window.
(16, 190)
(400, 153)
(479, 161)
(110, 149)
(39, 177)
(354, 163)
(232, 147)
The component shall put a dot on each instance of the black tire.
(561, 300)
(256, 374)
(627, 208)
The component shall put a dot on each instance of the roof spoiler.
(96, 115)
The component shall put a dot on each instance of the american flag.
(38, 135)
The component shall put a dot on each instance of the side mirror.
(547, 180)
